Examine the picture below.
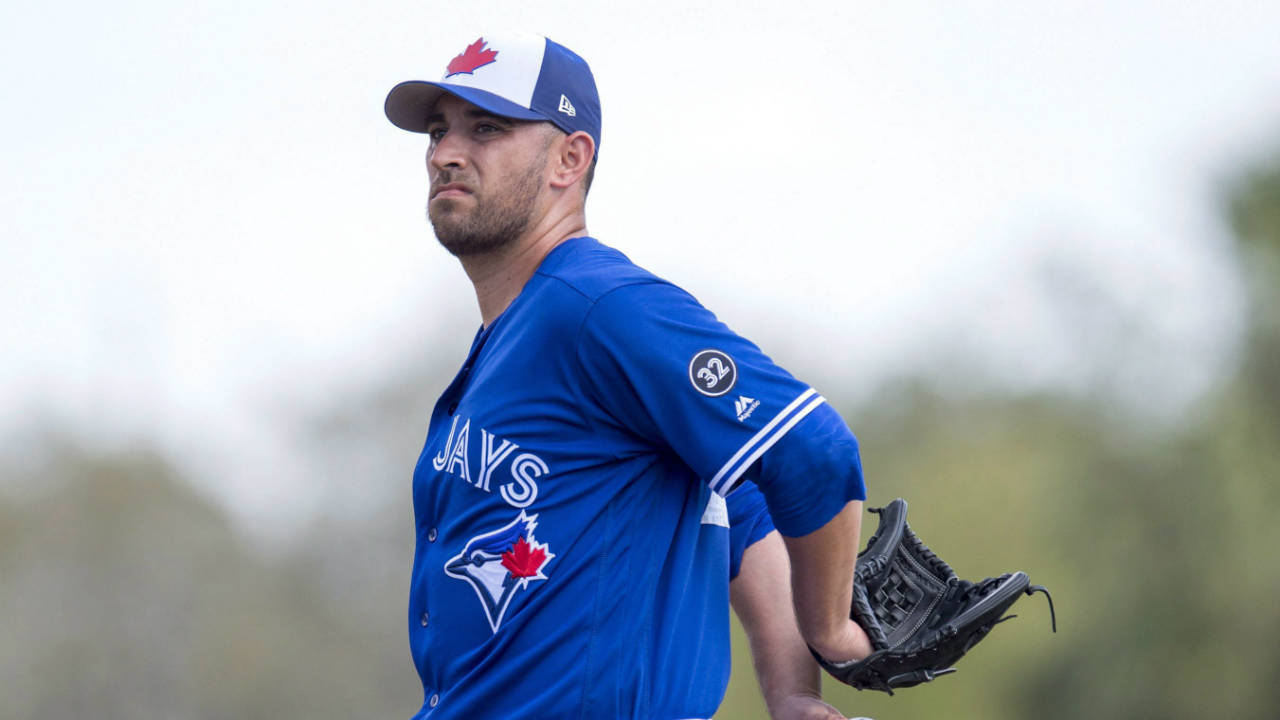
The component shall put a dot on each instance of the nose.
(446, 153)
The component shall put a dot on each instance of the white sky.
(205, 215)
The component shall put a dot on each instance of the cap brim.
(409, 103)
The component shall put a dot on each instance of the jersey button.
(434, 701)
(453, 408)
(424, 619)
(431, 535)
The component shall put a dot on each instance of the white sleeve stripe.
(768, 443)
(775, 438)
(763, 440)
(756, 438)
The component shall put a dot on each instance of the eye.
(436, 132)
(487, 128)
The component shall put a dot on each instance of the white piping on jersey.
(763, 440)
(716, 512)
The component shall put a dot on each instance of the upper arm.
(659, 365)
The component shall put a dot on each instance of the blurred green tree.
(127, 595)
(1175, 613)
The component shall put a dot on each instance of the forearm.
(812, 480)
(783, 665)
(822, 566)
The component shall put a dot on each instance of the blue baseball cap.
(516, 75)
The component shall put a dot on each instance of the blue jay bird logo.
(497, 564)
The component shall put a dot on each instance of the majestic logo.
(473, 57)
(712, 373)
(567, 107)
(500, 563)
(744, 406)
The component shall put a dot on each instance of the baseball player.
(572, 533)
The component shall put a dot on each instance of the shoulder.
(595, 270)
(619, 306)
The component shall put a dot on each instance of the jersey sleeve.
(665, 368)
(811, 473)
(749, 523)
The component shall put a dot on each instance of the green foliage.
(1253, 207)
(126, 595)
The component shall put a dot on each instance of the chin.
(468, 247)
(442, 208)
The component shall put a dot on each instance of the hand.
(848, 642)
(806, 707)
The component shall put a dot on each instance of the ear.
(572, 159)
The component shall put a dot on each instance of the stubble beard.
(495, 222)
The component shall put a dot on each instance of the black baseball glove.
(920, 617)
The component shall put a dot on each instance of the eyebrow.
(474, 114)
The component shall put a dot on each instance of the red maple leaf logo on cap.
(524, 561)
(473, 57)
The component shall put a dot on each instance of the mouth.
(450, 190)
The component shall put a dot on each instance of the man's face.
(487, 176)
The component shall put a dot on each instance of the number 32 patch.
(712, 373)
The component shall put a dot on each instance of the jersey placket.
(445, 407)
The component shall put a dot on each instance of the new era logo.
(566, 107)
(744, 406)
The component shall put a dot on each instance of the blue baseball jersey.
(749, 523)
(572, 540)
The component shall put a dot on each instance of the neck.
(499, 276)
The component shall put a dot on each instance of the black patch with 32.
(712, 373)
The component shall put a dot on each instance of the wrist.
(846, 643)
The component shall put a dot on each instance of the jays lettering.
(496, 463)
